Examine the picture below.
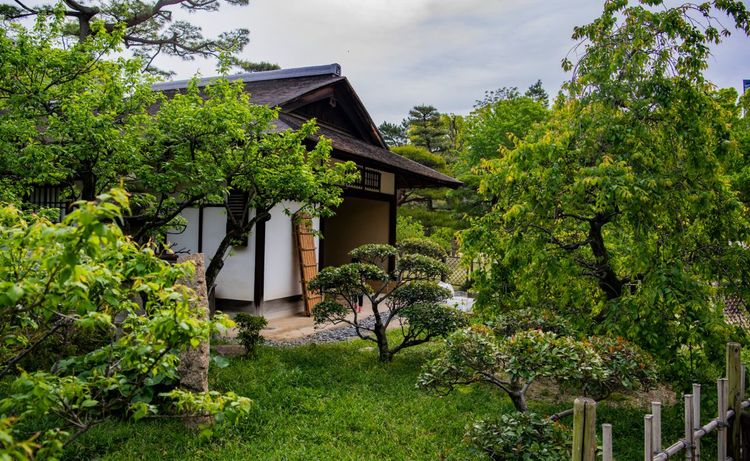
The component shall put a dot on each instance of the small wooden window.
(48, 197)
(369, 179)
(237, 204)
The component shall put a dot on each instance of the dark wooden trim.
(392, 219)
(368, 194)
(321, 244)
(309, 98)
(260, 266)
(200, 229)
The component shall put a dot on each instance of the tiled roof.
(735, 312)
(278, 87)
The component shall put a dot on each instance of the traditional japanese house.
(264, 275)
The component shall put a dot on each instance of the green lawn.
(336, 402)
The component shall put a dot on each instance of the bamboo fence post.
(584, 430)
(733, 396)
(656, 437)
(606, 442)
(648, 440)
(697, 419)
(721, 444)
(742, 382)
(689, 441)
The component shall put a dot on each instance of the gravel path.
(341, 333)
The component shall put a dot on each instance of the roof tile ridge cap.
(333, 69)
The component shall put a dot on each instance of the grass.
(338, 402)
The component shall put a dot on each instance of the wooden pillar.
(734, 394)
(584, 430)
(259, 283)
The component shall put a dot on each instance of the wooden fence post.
(607, 442)
(689, 439)
(697, 419)
(734, 396)
(648, 438)
(656, 437)
(721, 445)
(584, 430)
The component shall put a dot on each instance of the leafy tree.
(595, 367)
(407, 296)
(148, 27)
(394, 135)
(408, 228)
(83, 275)
(421, 155)
(502, 118)
(72, 119)
(619, 210)
(426, 129)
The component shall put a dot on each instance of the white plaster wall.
(387, 183)
(186, 241)
(282, 273)
(236, 279)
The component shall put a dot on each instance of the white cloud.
(398, 53)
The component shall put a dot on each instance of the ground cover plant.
(334, 401)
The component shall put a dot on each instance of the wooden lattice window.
(48, 197)
(237, 204)
(369, 179)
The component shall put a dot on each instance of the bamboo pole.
(607, 442)
(697, 420)
(734, 395)
(656, 437)
(689, 439)
(584, 430)
(721, 445)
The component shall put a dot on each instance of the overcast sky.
(447, 53)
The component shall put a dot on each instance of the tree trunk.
(609, 282)
(88, 189)
(519, 401)
(217, 261)
(384, 353)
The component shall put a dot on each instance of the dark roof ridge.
(295, 72)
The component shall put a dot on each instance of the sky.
(400, 53)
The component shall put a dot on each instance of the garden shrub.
(520, 436)
(249, 335)
(408, 295)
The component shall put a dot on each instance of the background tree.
(393, 134)
(149, 28)
(70, 118)
(538, 94)
(427, 129)
(408, 296)
(619, 210)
